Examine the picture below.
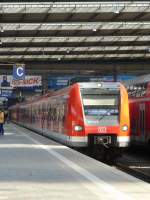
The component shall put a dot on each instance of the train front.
(106, 114)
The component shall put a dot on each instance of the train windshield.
(101, 107)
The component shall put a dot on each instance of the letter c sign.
(18, 72)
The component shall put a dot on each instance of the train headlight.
(78, 128)
(124, 128)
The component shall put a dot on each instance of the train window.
(137, 90)
(95, 115)
(100, 100)
(101, 109)
(99, 91)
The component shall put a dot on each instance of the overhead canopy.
(74, 31)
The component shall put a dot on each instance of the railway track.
(135, 165)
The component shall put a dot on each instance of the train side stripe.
(139, 100)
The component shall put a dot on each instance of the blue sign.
(18, 72)
(58, 82)
(125, 77)
(6, 93)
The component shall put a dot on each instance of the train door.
(142, 122)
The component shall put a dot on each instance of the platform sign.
(6, 93)
(122, 78)
(19, 72)
(58, 82)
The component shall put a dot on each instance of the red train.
(139, 103)
(93, 115)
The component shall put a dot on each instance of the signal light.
(124, 128)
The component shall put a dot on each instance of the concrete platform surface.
(34, 167)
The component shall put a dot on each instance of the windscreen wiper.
(102, 116)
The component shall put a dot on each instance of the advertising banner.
(29, 81)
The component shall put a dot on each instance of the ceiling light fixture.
(94, 29)
(116, 9)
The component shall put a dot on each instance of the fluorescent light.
(116, 10)
(94, 29)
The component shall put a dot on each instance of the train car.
(93, 115)
(139, 104)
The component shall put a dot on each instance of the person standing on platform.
(2, 122)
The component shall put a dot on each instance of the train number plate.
(102, 140)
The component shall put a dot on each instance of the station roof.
(74, 31)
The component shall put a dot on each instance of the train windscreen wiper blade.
(102, 116)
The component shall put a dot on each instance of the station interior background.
(58, 40)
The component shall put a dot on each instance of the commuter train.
(139, 104)
(93, 115)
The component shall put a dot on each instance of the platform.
(34, 167)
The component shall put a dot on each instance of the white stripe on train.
(77, 141)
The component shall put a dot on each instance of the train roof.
(113, 85)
